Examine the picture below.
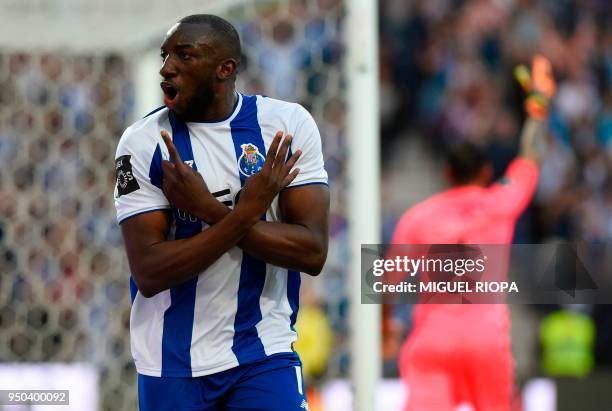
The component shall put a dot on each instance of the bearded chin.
(201, 102)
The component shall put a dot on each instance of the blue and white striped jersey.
(240, 309)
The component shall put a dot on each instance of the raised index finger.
(174, 154)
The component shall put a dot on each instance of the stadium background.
(445, 75)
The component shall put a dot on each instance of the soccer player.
(218, 224)
(460, 354)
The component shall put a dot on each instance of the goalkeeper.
(458, 354)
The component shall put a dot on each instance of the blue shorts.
(274, 384)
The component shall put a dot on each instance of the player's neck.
(480, 181)
(470, 184)
(221, 108)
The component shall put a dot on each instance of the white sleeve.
(306, 137)
(137, 168)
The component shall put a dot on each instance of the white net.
(64, 293)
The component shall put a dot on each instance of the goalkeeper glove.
(539, 84)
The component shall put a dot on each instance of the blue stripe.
(178, 318)
(155, 170)
(133, 289)
(293, 294)
(181, 138)
(247, 346)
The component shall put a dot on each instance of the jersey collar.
(233, 114)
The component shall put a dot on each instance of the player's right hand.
(185, 188)
(260, 189)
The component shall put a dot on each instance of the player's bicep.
(307, 206)
(140, 233)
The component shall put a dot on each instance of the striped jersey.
(240, 309)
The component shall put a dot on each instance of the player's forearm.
(286, 245)
(532, 139)
(170, 263)
(539, 83)
(290, 246)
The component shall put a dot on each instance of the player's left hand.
(540, 85)
(185, 188)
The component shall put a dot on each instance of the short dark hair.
(465, 161)
(221, 29)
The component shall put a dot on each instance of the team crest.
(251, 160)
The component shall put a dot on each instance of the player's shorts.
(274, 384)
(459, 355)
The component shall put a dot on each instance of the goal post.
(363, 192)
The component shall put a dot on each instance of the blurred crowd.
(447, 73)
(447, 76)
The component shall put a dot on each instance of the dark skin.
(482, 179)
(201, 71)
(299, 242)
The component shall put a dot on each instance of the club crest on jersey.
(251, 160)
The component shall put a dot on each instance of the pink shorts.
(457, 355)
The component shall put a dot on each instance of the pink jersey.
(470, 215)
(461, 353)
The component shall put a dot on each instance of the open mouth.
(170, 92)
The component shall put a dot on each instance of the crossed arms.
(298, 243)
